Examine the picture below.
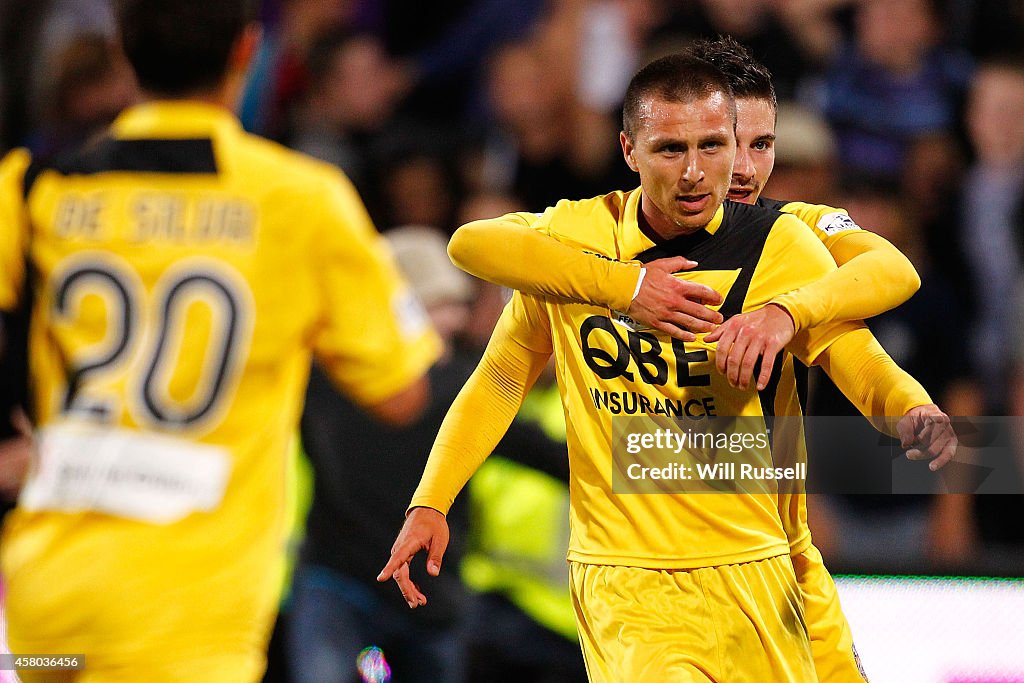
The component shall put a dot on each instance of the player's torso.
(172, 305)
(618, 379)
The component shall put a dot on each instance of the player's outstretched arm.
(892, 400)
(508, 251)
(478, 418)
(873, 277)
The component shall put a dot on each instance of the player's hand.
(927, 433)
(424, 529)
(15, 457)
(746, 337)
(674, 306)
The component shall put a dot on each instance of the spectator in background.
(418, 187)
(992, 232)
(363, 476)
(890, 85)
(992, 218)
(805, 166)
(279, 74)
(530, 149)
(44, 38)
(353, 89)
(776, 35)
(895, 532)
(93, 84)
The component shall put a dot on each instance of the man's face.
(684, 153)
(755, 149)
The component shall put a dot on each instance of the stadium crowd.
(907, 113)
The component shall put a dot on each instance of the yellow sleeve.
(485, 407)
(881, 390)
(374, 338)
(515, 252)
(13, 228)
(873, 275)
(793, 258)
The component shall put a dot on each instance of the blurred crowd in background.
(908, 113)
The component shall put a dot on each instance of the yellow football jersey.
(182, 273)
(828, 223)
(749, 254)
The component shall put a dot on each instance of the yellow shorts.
(835, 658)
(729, 624)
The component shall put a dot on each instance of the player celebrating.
(181, 273)
(884, 278)
(626, 552)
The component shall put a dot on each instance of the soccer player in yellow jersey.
(873, 277)
(662, 584)
(181, 275)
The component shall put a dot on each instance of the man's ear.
(627, 151)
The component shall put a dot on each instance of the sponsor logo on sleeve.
(834, 222)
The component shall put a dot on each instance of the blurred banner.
(936, 630)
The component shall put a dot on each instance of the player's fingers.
(947, 454)
(714, 335)
(735, 360)
(401, 554)
(926, 432)
(688, 322)
(726, 338)
(410, 591)
(436, 554)
(674, 331)
(699, 296)
(746, 370)
(771, 352)
(906, 429)
(673, 264)
(700, 312)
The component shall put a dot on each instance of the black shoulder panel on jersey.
(775, 204)
(801, 371)
(144, 155)
(767, 396)
(737, 243)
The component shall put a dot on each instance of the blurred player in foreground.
(718, 559)
(181, 274)
(873, 276)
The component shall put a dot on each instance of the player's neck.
(656, 226)
(212, 97)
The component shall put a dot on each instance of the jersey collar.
(175, 119)
(637, 240)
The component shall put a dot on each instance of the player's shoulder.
(590, 222)
(750, 219)
(822, 217)
(13, 167)
(284, 165)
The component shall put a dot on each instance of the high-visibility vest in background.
(519, 528)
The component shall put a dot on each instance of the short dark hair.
(677, 77)
(178, 47)
(748, 77)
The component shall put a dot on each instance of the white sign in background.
(934, 630)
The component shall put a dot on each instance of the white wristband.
(639, 281)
